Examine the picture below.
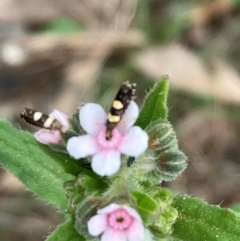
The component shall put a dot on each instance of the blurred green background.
(59, 54)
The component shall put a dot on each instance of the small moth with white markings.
(125, 94)
(41, 120)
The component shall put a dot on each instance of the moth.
(125, 94)
(123, 97)
(39, 119)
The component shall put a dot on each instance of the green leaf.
(20, 154)
(236, 207)
(146, 206)
(65, 232)
(174, 239)
(155, 104)
(200, 221)
(92, 183)
(68, 164)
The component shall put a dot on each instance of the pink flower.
(52, 136)
(117, 223)
(126, 138)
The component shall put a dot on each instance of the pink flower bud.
(52, 136)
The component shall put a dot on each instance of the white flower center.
(120, 220)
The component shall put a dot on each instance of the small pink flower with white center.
(52, 136)
(117, 223)
(126, 138)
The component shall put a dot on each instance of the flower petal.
(132, 212)
(47, 136)
(113, 235)
(135, 142)
(106, 163)
(110, 208)
(61, 117)
(136, 231)
(97, 224)
(81, 146)
(92, 116)
(130, 116)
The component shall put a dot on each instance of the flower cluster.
(126, 138)
(114, 222)
(112, 209)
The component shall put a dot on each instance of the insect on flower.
(109, 135)
(40, 119)
(125, 94)
(52, 125)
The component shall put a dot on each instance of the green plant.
(78, 192)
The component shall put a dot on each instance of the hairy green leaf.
(146, 206)
(155, 104)
(174, 239)
(68, 164)
(65, 232)
(200, 221)
(21, 155)
(236, 207)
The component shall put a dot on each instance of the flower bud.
(146, 205)
(84, 211)
(91, 182)
(167, 161)
(161, 136)
(74, 195)
(86, 184)
(163, 196)
(163, 226)
(170, 164)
